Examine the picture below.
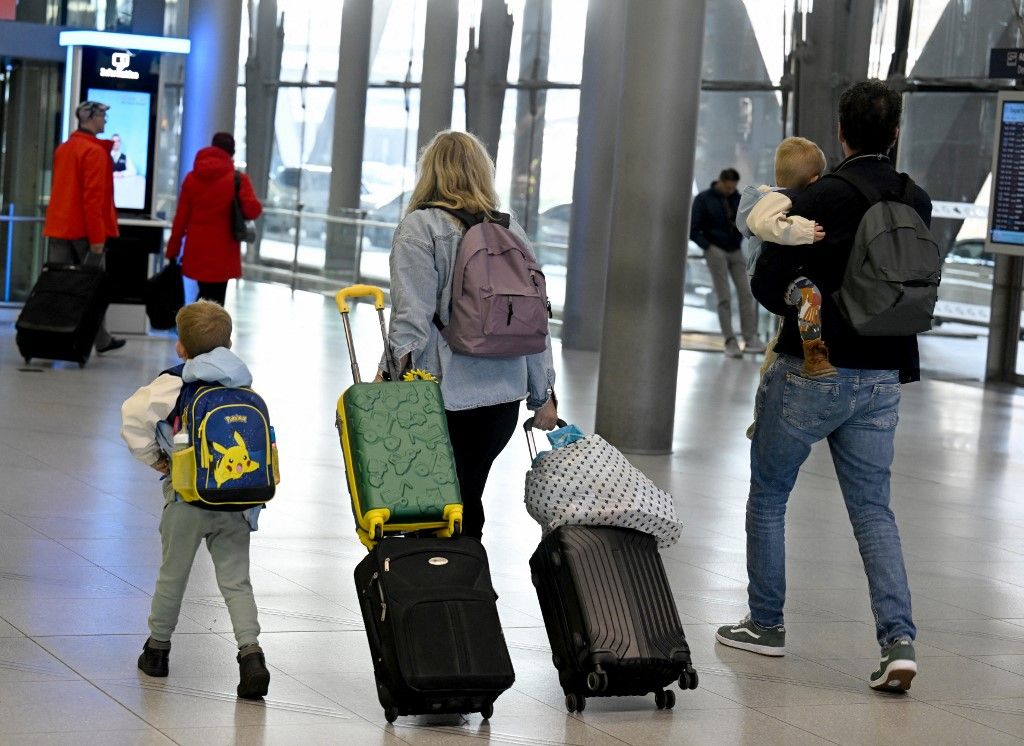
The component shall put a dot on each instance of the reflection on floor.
(79, 553)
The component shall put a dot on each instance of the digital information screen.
(128, 126)
(129, 83)
(1006, 223)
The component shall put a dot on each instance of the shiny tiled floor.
(79, 553)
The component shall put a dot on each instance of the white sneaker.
(732, 348)
(755, 347)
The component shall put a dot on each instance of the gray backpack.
(892, 278)
(500, 306)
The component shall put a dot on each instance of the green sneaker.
(897, 668)
(749, 635)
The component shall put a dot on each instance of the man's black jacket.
(711, 224)
(838, 208)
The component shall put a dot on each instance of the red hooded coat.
(204, 218)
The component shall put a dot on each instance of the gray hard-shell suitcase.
(610, 616)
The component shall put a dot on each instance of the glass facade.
(744, 111)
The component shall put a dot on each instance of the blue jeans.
(857, 412)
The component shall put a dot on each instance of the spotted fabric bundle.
(590, 483)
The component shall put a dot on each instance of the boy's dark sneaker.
(749, 635)
(254, 678)
(897, 668)
(153, 662)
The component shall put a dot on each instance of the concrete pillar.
(651, 210)
(1004, 322)
(834, 55)
(349, 129)
(437, 87)
(211, 76)
(487, 74)
(590, 227)
(262, 70)
(529, 143)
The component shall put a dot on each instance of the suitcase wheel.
(487, 710)
(391, 714)
(575, 702)
(688, 678)
(597, 681)
(665, 699)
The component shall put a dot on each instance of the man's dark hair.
(869, 113)
(225, 141)
(729, 174)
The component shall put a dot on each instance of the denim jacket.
(422, 264)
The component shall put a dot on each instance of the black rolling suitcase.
(610, 616)
(62, 313)
(165, 295)
(432, 622)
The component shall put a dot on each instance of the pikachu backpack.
(229, 459)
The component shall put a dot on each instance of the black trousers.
(478, 436)
(215, 291)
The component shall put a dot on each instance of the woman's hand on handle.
(546, 418)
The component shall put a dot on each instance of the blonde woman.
(481, 395)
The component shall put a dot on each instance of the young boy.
(204, 339)
(763, 216)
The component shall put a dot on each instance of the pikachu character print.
(234, 461)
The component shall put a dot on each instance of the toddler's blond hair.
(797, 162)
(203, 326)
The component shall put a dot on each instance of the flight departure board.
(1006, 213)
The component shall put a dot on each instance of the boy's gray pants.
(182, 529)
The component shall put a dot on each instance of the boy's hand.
(162, 465)
(819, 233)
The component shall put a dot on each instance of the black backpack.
(892, 278)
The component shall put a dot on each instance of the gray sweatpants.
(76, 251)
(182, 528)
(722, 265)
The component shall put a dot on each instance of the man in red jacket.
(81, 215)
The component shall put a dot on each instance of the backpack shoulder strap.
(864, 187)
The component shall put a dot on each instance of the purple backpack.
(500, 306)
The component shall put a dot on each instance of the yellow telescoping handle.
(364, 291)
(359, 291)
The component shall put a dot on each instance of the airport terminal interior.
(330, 104)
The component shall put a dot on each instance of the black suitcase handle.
(531, 444)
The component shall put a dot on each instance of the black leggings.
(215, 291)
(478, 436)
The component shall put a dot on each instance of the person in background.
(123, 165)
(713, 228)
(81, 216)
(204, 219)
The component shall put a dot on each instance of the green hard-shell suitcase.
(398, 456)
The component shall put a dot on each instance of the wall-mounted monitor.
(1006, 205)
(128, 127)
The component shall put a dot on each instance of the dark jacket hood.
(212, 163)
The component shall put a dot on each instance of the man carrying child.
(856, 410)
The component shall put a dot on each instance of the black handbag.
(243, 230)
(165, 295)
